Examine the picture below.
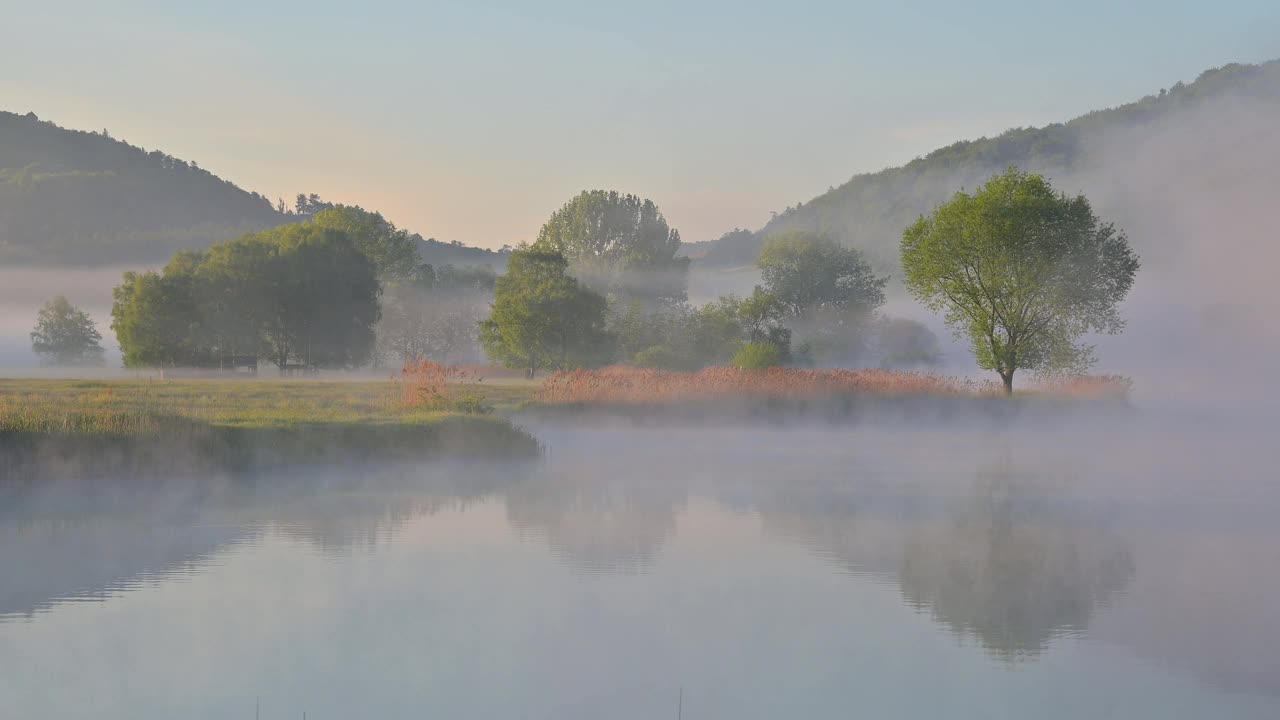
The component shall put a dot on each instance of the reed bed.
(623, 384)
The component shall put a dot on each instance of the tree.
(393, 251)
(299, 293)
(905, 343)
(761, 314)
(155, 319)
(542, 317)
(1023, 271)
(324, 302)
(65, 335)
(618, 244)
(810, 272)
(436, 315)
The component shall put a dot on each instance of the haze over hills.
(70, 197)
(1227, 114)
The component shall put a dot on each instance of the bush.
(472, 403)
(758, 356)
(660, 357)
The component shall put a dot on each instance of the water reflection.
(1001, 569)
(1008, 551)
(612, 523)
(74, 541)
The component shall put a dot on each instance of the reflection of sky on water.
(769, 573)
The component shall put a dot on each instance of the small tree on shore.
(65, 335)
(1023, 271)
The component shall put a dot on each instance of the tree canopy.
(65, 335)
(299, 294)
(541, 316)
(392, 250)
(810, 272)
(1022, 271)
(618, 244)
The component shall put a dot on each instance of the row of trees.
(1020, 270)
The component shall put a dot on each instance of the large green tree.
(325, 300)
(618, 244)
(65, 335)
(299, 294)
(542, 317)
(1022, 270)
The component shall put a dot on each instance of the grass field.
(163, 425)
(126, 406)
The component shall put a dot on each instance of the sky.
(475, 120)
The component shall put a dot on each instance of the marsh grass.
(789, 394)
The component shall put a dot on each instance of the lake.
(1125, 568)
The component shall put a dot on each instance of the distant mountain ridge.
(70, 197)
(870, 210)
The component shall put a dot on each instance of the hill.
(1130, 160)
(83, 198)
(69, 197)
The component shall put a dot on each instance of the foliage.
(660, 357)
(1021, 270)
(435, 315)
(299, 293)
(758, 356)
(392, 251)
(541, 316)
(618, 244)
(65, 335)
(904, 343)
(809, 272)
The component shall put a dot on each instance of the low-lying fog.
(1118, 568)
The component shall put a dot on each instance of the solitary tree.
(618, 244)
(65, 335)
(542, 317)
(1023, 271)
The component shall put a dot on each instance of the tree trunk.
(1007, 377)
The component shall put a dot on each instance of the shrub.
(758, 356)
(660, 357)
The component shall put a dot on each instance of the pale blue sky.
(475, 120)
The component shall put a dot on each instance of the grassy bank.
(70, 427)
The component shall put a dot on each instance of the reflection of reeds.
(623, 384)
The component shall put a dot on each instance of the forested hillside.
(73, 197)
(1106, 154)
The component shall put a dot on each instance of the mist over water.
(1111, 567)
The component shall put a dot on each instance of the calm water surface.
(1126, 572)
